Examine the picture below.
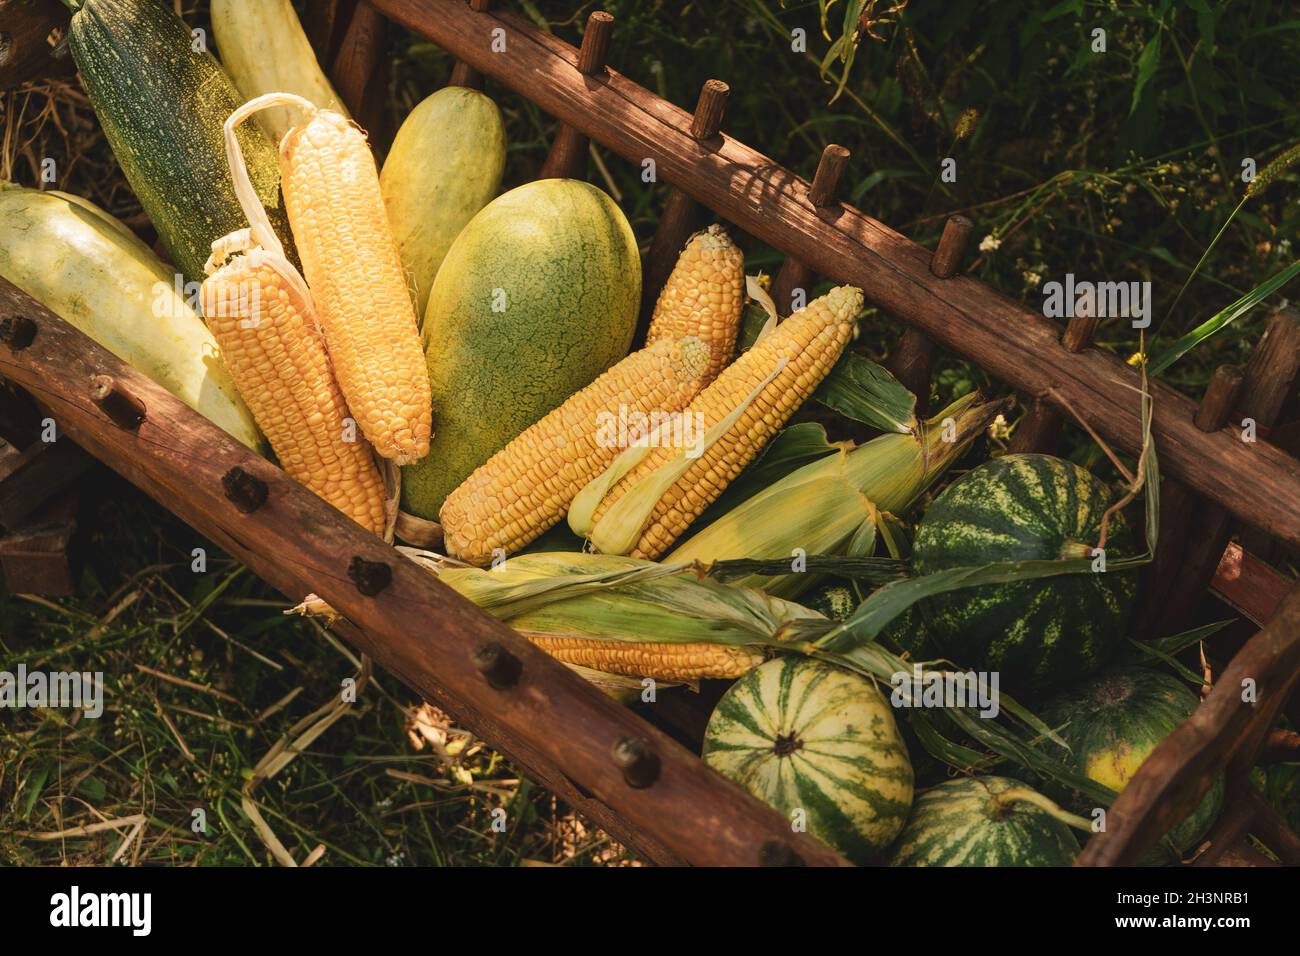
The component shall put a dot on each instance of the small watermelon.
(1113, 722)
(837, 601)
(977, 821)
(1038, 634)
(804, 736)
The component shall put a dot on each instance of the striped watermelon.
(805, 736)
(975, 821)
(1038, 634)
(1113, 722)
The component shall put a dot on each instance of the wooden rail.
(1224, 735)
(1256, 482)
(559, 728)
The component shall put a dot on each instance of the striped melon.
(1113, 722)
(804, 736)
(978, 821)
(1038, 634)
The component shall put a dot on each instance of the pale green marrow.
(445, 165)
(264, 49)
(87, 267)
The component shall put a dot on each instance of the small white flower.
(1032, 278)
(989, 243)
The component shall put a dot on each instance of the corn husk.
(834, 505)
(626, 600)
(623, 599)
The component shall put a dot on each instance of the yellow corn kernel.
(810, 341)
(524, 489)
(270, 345)
(704, 296)
(659, 660)
(340, 228)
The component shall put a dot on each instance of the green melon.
(976, 821)
(804, 736)
(837, 601)
(444, 166)
(1038, 634)
(1113, 721)
(537, 296)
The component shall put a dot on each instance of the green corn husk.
(609, 598)
(834, 504)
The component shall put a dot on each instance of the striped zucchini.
(161, 105)
(88, 268)
(820, 745)
(981, 821)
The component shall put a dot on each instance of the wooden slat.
(1252, 588)
(559, 726)
(1223, 733)
(360, 73)
(1015, 344)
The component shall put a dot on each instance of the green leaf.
(1148, 60)
(864, 568)
(1223, 318)
(875, 614)
(35, 784)
(792, 448)
(859, 389)
(93, 789)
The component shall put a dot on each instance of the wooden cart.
(627, 775)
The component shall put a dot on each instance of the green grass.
(1117, 166)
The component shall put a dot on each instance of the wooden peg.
(778, 853)
(1040, 428)
(1220, 397)
(568, 156)
(462, 74)
(822, 193)
(17, 332)
(681, 214)
(950, 255)
(639, 763)
(913, 360)
(122, 408)
(246, 492)
(498, 666)
(706, 121)
(370, 577)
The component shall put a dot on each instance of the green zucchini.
(162, 104)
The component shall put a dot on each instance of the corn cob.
(779, 372)
(662, 661)
(629, 617)
(264, 326)
(704, 296)
(833, 505)
(331, 193)
(524, 489)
